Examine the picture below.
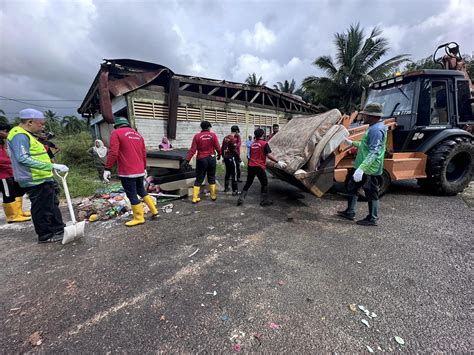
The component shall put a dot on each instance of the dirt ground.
(220, 278)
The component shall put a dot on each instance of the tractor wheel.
(383, 181)
(450, 167)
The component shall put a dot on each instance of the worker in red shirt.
(206, 144)
(127, 149)
(231, 161)
(11, 191)
(235, 130)
(259, 152)
(275, 128)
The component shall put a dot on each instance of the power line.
(31, 104)
(39, 100)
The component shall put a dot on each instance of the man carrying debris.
(206, 144)
(127, 149)
(11, 191)
(32, 169)
(231, 161)
(368, 164)
(259, 152)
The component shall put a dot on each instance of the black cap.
(205, 125)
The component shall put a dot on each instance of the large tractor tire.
(450, 167)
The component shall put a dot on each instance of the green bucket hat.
(120, 121)
(373, 109)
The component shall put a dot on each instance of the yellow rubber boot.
(19, 200)
(151, 205)
(11, 212)
(213, 191)
(138, 215)
(196, 190)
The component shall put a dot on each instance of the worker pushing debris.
(127, 149)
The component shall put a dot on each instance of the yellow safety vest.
(37, 152)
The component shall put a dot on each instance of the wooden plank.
(213, 91)
(176, 185)
(235, 95)
(184, 87)
(255, 97)
(162, 163)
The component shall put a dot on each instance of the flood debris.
(194, 253)
(212, 293)
(353, 307)
(35, 339)
(370, 350)
(167, 208)
(366, 322)
(399, 340)
(274, 325)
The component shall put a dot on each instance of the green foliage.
(254, 81)
(81, 181)
(286, 86)
(425, 63)
(3, 117)
(355, 67)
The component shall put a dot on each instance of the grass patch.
(81, 182)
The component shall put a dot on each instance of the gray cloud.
(52, 49)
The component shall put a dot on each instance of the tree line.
(65, 125)
(356, 65)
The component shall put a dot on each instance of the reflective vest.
(37, 152)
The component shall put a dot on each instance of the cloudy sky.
(51, 49)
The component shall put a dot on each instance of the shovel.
(73, 230)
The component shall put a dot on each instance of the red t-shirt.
(127, 149)
(6, 170)
(206, 144)
(258, 153)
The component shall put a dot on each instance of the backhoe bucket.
(320, 181)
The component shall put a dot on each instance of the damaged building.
(159, 102)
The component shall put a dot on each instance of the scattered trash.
(359, 262)
(369, 349)
(379, 348)
(225, 318)
(202, 304)
(259, 278)
(274, 326)
(373, 315)
(353, 307)
(362, 308)
(35, 339)
(211, 227)
(177, 212)
(281, 283)
(242, 214)
(167, 208)
(237, 347)
(365, 322)
(163, 317)
(211, 293)
(290, 219)
(399, 340)
(309, 300)
(258, 336)
(189, 256)
(15, 309)
(93, 217)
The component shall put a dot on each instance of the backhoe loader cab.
(433, 111)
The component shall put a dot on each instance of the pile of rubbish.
(108, 202)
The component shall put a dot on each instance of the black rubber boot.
(373, 216)
(349, 212)
(264, 200)
(242, 197)
(226, 186)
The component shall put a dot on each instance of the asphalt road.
(274, 279)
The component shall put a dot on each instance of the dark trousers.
(100, 171)
(368, 183)
(133, 187)
(231, 172)
(10, 190)
(205, 166)
(260, 174)
(238, 171)
(45, 211)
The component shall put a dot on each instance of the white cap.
(31, 114)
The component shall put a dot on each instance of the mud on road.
(221, 278)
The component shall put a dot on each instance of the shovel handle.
(68, 197)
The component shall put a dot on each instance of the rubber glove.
(218, 157)
(187, 165)
(242, 164)
(146, 174)
(107, 175)
(281, 164)
(347, 141)
(358, 175)
(61, 168)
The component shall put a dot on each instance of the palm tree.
(355, 67)
(3, 117)
(253, 81)
(72, 124)
(286, 86)
(52, 122)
